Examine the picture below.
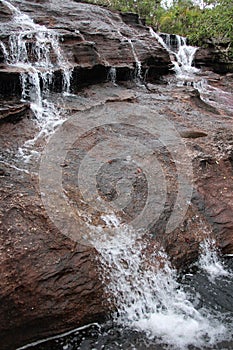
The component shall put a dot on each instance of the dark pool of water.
(216, 295)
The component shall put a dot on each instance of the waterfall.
(138, 70)
(35, 51)
(181, 54)
(143, 286)
(112, 75)
(147, 295)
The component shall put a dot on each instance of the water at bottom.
(210, 329)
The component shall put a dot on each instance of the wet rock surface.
(93, 40)
(13, 112)
(214, 56)
(50, 283)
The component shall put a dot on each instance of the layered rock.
(93, 40)
(214, 56)
(51, 283)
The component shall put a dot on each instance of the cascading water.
(181, 54)
(210, 262)
(35, 51)
(144, 288)
(153, 309)
(138, 70)
(148, 297)
(112, 75)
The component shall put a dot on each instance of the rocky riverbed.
(51, 283)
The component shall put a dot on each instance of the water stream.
(138, 65)
(155, 308)
(181, 55)
(149, 298)
(138, 70)
(35, 51)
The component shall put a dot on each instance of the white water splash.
(209, 261)
(138, 71)
(214, 96)
(112, 75)
(147, 295)
(35, 51)
(181, 54)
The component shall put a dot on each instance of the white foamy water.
(182, 57)
(181, 54)
(35, 51)
(112, 75)
(214, 96)
(138, 71)
(210, 262)
(147, 295)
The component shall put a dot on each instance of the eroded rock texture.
(93, 40)
(214, 56)
(50, 283)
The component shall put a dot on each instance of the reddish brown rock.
(91, 36)
(13, 112)
(215, 188)
(214, 57)
(49, 283)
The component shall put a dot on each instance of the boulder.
(214, 57)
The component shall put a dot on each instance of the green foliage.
(180, 18)
(215, 25)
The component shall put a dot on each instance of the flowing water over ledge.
(35, 51)
(156, 307)
(203, 321)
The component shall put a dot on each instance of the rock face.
(93, 40)
(215, 57)
(49, 282)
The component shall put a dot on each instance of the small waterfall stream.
(35, 51)
(112, 75)
(209, 261)
(154, 310)
(138, 69)
(148, 297)
(181, 55)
